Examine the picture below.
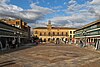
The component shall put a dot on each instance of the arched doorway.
(53, 39)
(48, 39)
(44, 40)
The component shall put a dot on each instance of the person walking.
(81, 43)
(7, 45)
(13, 43)
(64, 40)
(1, 45)
(97, 44)
(57, 41)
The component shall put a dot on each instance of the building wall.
(89, 33)
(25, 29)
(50, 33)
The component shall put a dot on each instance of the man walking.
(81, 43)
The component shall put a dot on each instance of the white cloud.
(38, 24)
(57, 7)
(72, 2)
(65, 3)
(29, 15)
(4, 1)
(80, 14)
(10, 8)
(41, 9)
(96, 2)
(69, 21)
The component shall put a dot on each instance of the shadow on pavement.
(2, 52)
(6, 63)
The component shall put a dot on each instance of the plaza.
(49, 33)
(51, 55)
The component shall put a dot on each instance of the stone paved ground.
(51, 55)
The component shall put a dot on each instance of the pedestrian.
(1, 45)
(13, 43)
(64, 40)
(10, 43)
(81, 43)
(7, 45)
(57, 41)
(97, 44)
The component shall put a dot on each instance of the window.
(62, 33)
(36, 32)
(53, 33)
(74, 32)
(17, 23)
(70, 32)
(58, 33)
(70, 36)
(48, 39)
(66, 34)
(95, 26)
(44, 40)
(53, 39)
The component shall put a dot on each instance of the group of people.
(12, 43)
(64, 40)
(95, 44)
(81, 43)
(57, 41)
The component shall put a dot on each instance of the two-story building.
(90, 33)
(52, 33)
(10, 31)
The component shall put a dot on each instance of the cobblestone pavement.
(51, 55)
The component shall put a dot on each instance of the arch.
(48, 39)
(53, 39)
(66, 34)
(57, 38)
(53, 33)
(44, 39)
(40, 39)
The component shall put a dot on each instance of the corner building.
(89, 33)
(49, 33)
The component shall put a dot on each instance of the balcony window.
(36, 32)
(17, 23)
(70, 36)
(66, 34)
(53, 33)
(58, 33)
(62, 33)
(70, 32)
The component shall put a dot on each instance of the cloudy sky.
(66, 13)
